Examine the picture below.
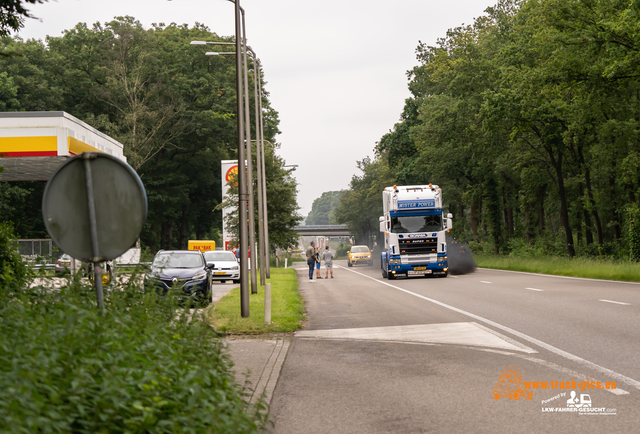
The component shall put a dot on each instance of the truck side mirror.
(449, 222)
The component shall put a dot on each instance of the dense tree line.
(529, 120)
(173, 109)
(323, 209)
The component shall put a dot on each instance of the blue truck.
(414, 228)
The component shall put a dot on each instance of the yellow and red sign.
(202, 245)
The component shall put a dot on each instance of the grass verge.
(287, 310)
(577, 267)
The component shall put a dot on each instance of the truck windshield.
(421, 223)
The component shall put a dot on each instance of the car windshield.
(421, 223)
(219, 256)
(360, 250)
(177, 260)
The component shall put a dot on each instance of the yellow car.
(358, 255)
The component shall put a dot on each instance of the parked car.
(224, 265)
(358, 255)
(63, 265)
(183, 269)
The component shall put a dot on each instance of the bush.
(342, 250)
(144, 366)
(14, 273)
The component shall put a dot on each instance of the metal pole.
(267, 303)
(263, 257)
(264, 185)
(252, 228)
(93, 227)
(242, 182)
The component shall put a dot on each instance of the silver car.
(226, 265)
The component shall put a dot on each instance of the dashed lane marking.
(616, 302)
(534, 289)
(586, 363)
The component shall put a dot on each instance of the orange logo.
(231, 173)
(511, 385)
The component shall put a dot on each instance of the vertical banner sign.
(229, 170)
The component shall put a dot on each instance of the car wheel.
(236, 281)
(349, 264)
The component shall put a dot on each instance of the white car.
(226, 265)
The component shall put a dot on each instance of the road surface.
(424, 355)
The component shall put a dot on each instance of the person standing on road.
(328, 262)
(311, 259)
(318, 258)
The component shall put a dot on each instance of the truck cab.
(414, 230)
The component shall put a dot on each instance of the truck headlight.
(394, 261)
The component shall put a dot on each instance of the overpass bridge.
(323, 230)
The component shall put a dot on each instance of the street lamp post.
(261, 178)
(264, 187)
(242, 181)
(252, 232)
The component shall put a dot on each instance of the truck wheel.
(392, 276)
(384, 273)
(515, 396)
(446, 273)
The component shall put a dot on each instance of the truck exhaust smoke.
(460, 257)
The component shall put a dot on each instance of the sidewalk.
(257, 359)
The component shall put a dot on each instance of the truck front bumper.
(434, 268)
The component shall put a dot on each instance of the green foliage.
(14, 273)
(342, 250)
(633, 215)
(528, 119)
(172, 107)
(361, 205)
(144, 366)
(13, 13)
(324, 208)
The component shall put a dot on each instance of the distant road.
(424, 354)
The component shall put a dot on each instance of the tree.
(13, 14)
(324, 208)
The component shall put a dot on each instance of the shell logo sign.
(231, 173)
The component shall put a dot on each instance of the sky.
(335, 69)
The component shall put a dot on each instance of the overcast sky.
(335, 69)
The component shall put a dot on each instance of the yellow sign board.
(202, 245)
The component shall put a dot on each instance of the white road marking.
(558, 351)
(484, 281)
(464, 333)
(562, 277)
(535, 289)
(616, 302)
(453, 277)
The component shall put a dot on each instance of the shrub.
(14, 273)
(342, 250)
(144, 366)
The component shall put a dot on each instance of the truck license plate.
(420, 268)
(416, 272)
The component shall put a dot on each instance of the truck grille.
(419, 246)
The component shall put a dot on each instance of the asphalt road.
(424, 354)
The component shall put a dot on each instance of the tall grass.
(593, 268)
